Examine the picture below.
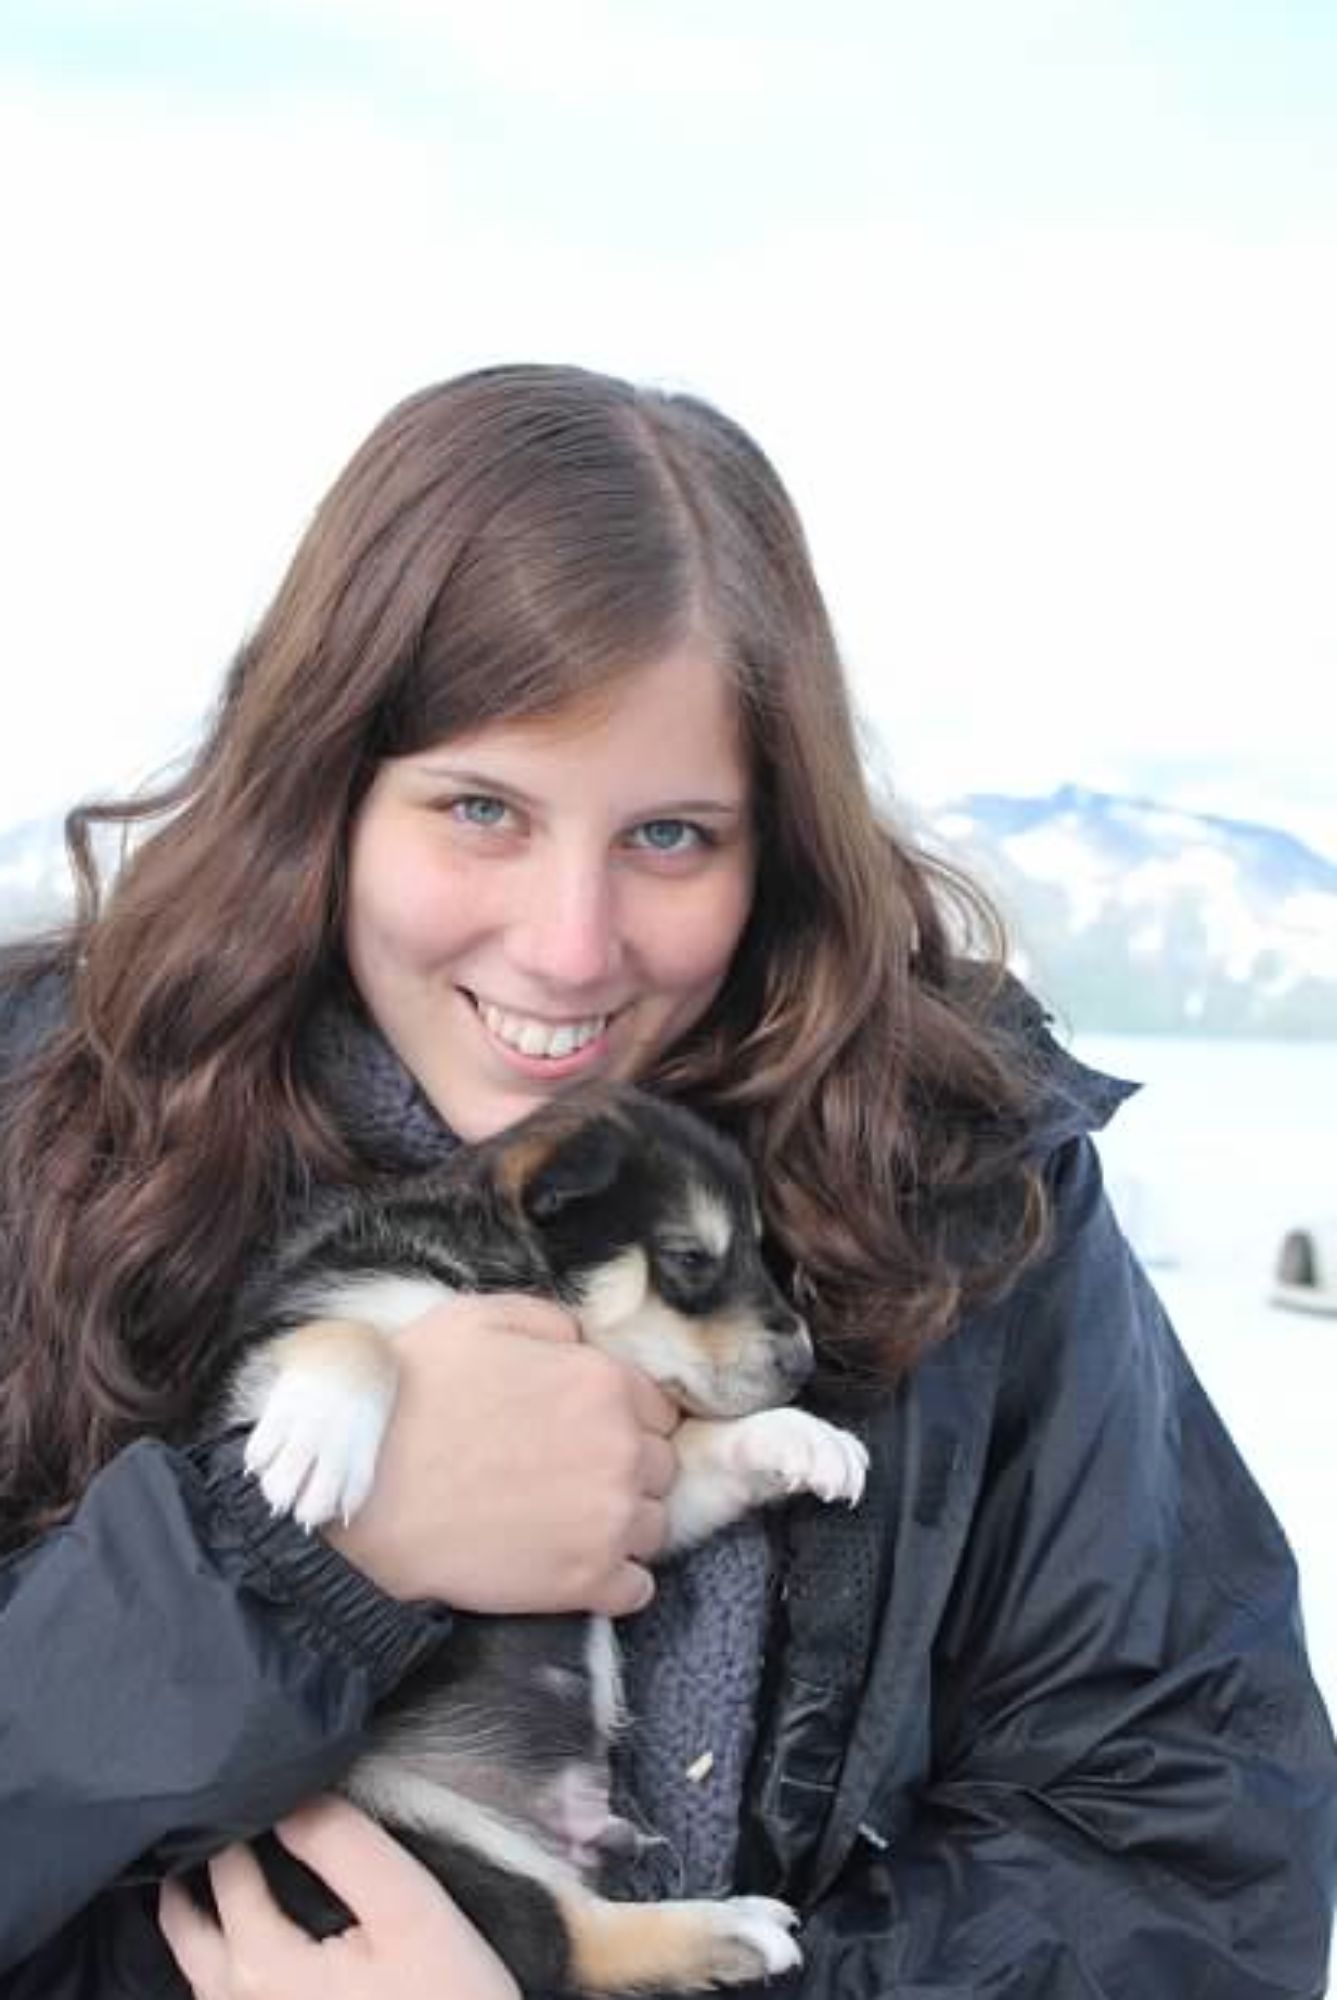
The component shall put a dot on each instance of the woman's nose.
(567, 932)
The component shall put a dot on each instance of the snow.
(1230, 1145)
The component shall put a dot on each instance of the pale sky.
(1035, 306)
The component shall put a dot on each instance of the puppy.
(492, 1763)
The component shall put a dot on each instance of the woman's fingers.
(245, 1901)
(195, 1941)
(408, 1938)
(653, 1409)
(659, 1466)
(628, 1589)
(648, 1529)
(539, 1319)
(378, 1880)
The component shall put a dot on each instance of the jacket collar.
(846, 1728)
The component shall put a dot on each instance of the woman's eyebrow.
(693, 809)
(472, 781)
(731, 807)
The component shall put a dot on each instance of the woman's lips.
(543, 1047)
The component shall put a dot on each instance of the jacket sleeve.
(1133, 1787)
(175, 1668)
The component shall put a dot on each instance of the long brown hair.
(500, 546)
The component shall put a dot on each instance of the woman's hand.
(521, 1471)
(409, 1941)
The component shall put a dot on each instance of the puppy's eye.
(690, 1262)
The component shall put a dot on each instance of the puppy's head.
(649, 1225)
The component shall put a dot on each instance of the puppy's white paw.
(753, 1939)
(315, 1446)
(790, 1451)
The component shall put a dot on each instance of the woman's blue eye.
(480, 810)
(668, 836)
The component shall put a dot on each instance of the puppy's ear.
(583, 1164)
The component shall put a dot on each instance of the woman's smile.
(551, 1043)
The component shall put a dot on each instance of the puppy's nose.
(794, 1349)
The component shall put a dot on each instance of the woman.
(541, 767)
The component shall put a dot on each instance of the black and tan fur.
(492, 1764)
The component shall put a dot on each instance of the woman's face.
(540, 903)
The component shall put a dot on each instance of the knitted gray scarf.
(692, 1661)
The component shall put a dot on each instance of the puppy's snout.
(793, 1348)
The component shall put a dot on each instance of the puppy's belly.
(402, 1797)
(512, 1719)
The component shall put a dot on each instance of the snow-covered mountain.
(34, 880)
(1127, 916)
(1134, 917)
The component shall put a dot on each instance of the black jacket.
(1038, 1722)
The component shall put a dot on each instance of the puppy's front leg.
(726, 1467)
(322, 1397)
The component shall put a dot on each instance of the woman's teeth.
(540, 1038)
